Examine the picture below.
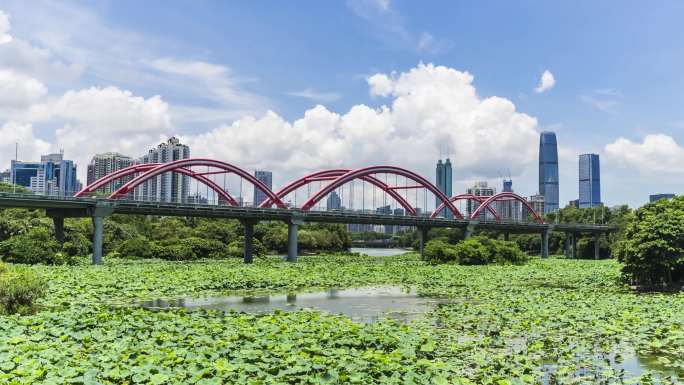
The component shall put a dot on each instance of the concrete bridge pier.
(292, 226)
(102, 209)
(567, 245)
(423, 235)
(59, 228)
(597, 248)
(470, 229)
(545, 243)
(573, 255)
(249, 241)
(506, 236)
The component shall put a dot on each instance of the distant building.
(574, 203)
(657, 197)
(6, 176)
(511, 209)
(265, 177)
(589, 181)
(197, 199)
(443, 179)
(170, 186)
(537, 203)
(54, 175)
(105, 164)
(548, 170)
(385, 210)
(479, 189)
(333, 202)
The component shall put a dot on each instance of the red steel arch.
(179, 165)
(138, 168)
(332, 175)
(460, 197)
(506, 196)
(366, 171)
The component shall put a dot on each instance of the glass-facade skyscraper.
(589, 181)
(266, 177)
(443, 180)
(548, 170)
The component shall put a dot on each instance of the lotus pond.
(548, 322)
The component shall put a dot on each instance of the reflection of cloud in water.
(361, 305)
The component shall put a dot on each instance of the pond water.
(361, 305)
(378, 252)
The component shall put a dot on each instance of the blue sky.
(198, 66)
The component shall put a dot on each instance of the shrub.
(203, 248)
(137, 247)
(653, 246)
(19, 288)
(237, 249)
(34, 246)
(474, 251)
(174, 252)
(76, 244)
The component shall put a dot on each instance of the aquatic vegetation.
(553, 322)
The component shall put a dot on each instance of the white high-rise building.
(170, 186)
(480, 189)
(105, 164)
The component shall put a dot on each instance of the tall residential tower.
(548, 170)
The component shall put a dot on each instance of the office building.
(53, 175)
(548, 170)
(574, 203)
(589, 181)
(385, 210)
(333, 202)
(105, 164)
(537, 202)
(443, 175)
(265, 177)
(170, 186)
(657, 197)
(479, 189)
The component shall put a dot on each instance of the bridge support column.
(98, 235)
(423, 235)
(597, 248)
(567, 245)
(59, 228)
(506, 236)
(574, 246)
(545, 244)
(292, 240)
(470, 229)
(249, 241)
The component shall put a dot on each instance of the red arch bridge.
(375, 195)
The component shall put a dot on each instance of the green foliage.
(474, 251)
(653, 246)
(37, 245)
(20, 287)
(136, 247)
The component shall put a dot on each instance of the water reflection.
(378, 252)
(362, 305)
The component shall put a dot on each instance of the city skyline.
(404, 97)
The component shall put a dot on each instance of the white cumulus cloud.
(17, 90)
(431, 106)
(546, 82)
(656, 154)
(12, 133)
(5, 37)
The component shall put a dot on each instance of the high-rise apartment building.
(589, 181)
(170, 186)
(265, 177)
(443, 179)
(479, 189)
(537, 202)
(105, 164)
(510, 209)
(548, 170)
(333, 202)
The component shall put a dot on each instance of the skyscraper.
(333, 202)
(444, 183)
(508, 209)
(53, 175)
(589, 181)
(105, 164)
(548, 170)
(170, 186)
(266, 177)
